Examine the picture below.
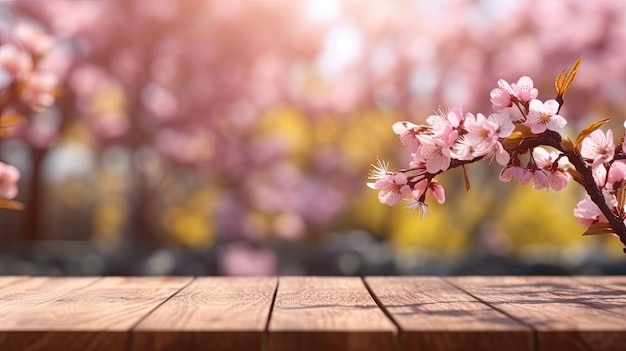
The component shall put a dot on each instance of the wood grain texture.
(608, 293)
(554, 308)
(35, 291)
(95, 317)
(332, 314)
(8, 280)
(615, 283)
(433, 315)
(214, 313)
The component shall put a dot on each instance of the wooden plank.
(213, 313)
(433, 315)
(37, 290)
(8, 280)
(611, 282)
(315, 313)
(554, 309)
(605, 292)
(97, 317)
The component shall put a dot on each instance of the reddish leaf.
(467, 181)
(567, 144)
(588, 130)
(599, 228)
(9, 123)
(11, 205)
(565, 79)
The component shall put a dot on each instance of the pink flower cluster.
(9, 175)
(24, 81)
(20, 66)
(608, 168)
(451, 139)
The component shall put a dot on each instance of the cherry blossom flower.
(379, 170)
(437, 191)
(408, 132)
(520, 174)
(393, 188)
(589, 213)
(33, 38)
(599, 174)
(435, 153)
(556, 177)
(504, 96)
(39, 90)
(524, 89)
(543, 116)
(484, 134)
(15, 62)
(418, 207)
(9, 176)
(617, 172)
(598, 147)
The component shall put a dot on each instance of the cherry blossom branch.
(452, 139)
(554, 139)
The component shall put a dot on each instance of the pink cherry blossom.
(484, 134)
(598, 147)
(33, 38)
(501, 98)
(408, 132)
(617, 172)
(393, 188)
(589, 213)
(599, 174)
(543, 116)
(463, 149)
(524, 89)
(15, 62)
(510, 173)
(9, 176)
(557, 178)
(545, 160)
(417, 206)
(540, 179)
(39, 90)
(505, 95)
(435, 153)
(437, 191)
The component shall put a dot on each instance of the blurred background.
(233, 137)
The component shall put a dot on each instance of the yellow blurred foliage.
(367, 137)
(189, 224)
(528, 217)
(110, 98)
(109, 217)
(111, 209)
(445, 229)
(291, 126)
(78, 132)
(532, 217)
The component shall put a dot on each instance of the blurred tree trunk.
(32, 219)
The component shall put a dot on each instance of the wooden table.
(312, 313)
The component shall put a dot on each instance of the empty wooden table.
(312, 313)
